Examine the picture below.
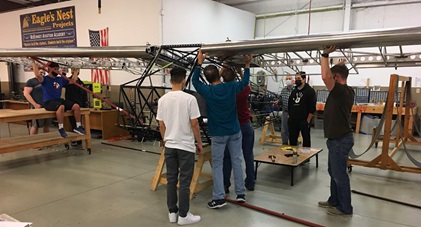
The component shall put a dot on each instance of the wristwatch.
(325, 55)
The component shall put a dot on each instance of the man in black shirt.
(337, 130)
(301, 107)
(33, 93)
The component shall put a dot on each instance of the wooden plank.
(410, 169)
(38, 140)
(30, 114)
(388, 119)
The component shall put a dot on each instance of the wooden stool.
(195, 185)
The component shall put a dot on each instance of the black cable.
(386, 199)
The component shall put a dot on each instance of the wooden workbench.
(360, 109)
(43, 139)
(105, 121)
(15, 104)
(276, 156)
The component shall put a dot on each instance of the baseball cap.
(52, 64)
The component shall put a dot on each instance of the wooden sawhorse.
(195, 185)
(271, 138)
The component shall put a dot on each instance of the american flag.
(97, 39)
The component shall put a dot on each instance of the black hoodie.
(301, 103)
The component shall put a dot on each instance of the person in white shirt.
(178, 114)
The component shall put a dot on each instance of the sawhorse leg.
(194, 185)
(158, 172)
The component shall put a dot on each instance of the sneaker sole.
(78, 132)
(217, 206)
(326, 206)
(241, 200)
(336, 214)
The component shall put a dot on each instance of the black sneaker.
(227, 189)
(216, 203)
(241, 198)
(63, 133)
(79, 130)
(250, 188)
(77, 147)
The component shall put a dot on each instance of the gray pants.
(179, 159)
(284, 128)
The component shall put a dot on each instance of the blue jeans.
(247, 132)
(340, 188)
(284, 128)
(233, 142)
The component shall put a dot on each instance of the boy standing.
(178, 115)
(224, 126)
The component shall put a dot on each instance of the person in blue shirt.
(52, 85)
(223, 125)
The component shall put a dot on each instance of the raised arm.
(327, 75)
(36, 71)
(245, 80)
(200, 87)
(75, 74)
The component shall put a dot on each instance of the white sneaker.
(173, 217)
(189, 219)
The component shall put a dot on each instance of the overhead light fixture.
(378, 58)
(311, 61)
(413, 57)
(370, 58)
(362, 58)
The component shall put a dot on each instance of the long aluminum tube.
(391, 37)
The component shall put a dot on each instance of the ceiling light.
(370, 58)
(362, 58)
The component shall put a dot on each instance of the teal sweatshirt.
(221, 103)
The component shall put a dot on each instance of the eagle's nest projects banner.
(50, 28)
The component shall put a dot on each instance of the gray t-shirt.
(36, 90)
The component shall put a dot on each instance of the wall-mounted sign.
(50, 28)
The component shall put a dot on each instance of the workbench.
(366, 109)
(276, 156)
(105, 121)
(12, 144)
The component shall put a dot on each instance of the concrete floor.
(111, 187)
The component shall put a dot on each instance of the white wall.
(204, 21)
(380, 17)
(134, 22)
(137, 22)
